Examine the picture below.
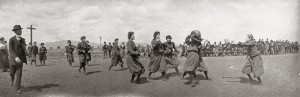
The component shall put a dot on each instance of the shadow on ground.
(93, 64)
(124, 69)
(144, 80)
(38, 88)
(243, 80)
(92, 72)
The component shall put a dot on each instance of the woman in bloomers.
(193, 58)
(132, 59)
(170, 54)
(157, 62)
(254, 62)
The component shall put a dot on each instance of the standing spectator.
(105, 49)
(34, 51)
(17, 51)
(220, 49)
(43, 56)
(183, 53)
(109, 49)
(267, 49)
(29, 51)
(4, 62)
(69, 52)
(89, 55)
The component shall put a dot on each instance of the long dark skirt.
(70, 57)
(116, 59)
(171, 61)
(43, 57)
(82, 58)
(192, 62)
(157, 62)
(254, 65)
(134, 64)
(4, 63)
(89, 57)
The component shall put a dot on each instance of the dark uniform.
(34, 52)
(82, 49)
(89, 55)
(42, 53)
(69, 51)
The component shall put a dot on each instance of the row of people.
(265, 48)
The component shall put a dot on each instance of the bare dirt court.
(58, 79)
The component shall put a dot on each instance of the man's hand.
(18, 60)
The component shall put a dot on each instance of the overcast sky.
(216, 19)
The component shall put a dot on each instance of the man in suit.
(17, 51)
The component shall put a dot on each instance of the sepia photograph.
(149, 48)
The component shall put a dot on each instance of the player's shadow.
(44, 65)
(121, 69)
(38, 88)
(199, 77)
(243, 80)
(156, 78)
(92, 72)
(173, 74)
(93, 64)
(143, 80)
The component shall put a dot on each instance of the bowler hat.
(17, 27)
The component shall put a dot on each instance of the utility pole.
(100, 43)
(31, 28)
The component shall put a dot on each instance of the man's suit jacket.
(17, 48)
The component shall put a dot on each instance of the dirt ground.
(58, 79)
